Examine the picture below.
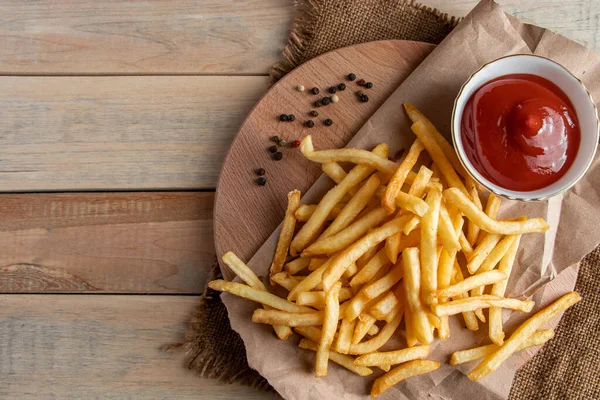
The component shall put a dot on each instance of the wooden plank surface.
(142, 37)
(100, 347)
(131, 133)
(105, 242)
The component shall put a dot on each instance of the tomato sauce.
(520, 132)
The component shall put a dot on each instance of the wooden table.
(115, 119)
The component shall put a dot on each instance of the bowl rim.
(512, 194)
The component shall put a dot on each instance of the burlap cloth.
(566, 368)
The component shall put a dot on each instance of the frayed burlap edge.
(302, 32)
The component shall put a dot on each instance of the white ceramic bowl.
(581, 98)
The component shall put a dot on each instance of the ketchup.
(520, 132)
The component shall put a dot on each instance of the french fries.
(349, 292)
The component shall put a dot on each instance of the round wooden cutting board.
(246, 213)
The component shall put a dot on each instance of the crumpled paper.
(546, 266)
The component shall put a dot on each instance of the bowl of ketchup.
(525, 127)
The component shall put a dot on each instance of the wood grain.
(142, 37)
(245, 213)
(105, 242)
(100, 347)
(131, 133)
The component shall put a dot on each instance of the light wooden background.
(115, 116)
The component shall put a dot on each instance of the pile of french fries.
(386, 245)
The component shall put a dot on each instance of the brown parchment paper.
(546, 265)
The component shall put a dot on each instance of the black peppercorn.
(277, 156)
(364, 98)
(326, 100)
(342, 86)
(332, 89)
(361, 82)
(262, 181)
(291, 117)
(314, 113)
(260, 171)
(309, 123)
(283, 117)
(272, 149)
(328, 122)
(318, 104)
(369, 85)
(351, 77)
(275, 139)
(314, 90)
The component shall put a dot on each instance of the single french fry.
(363, 325)
(378, 341)
(411, 225)
(365, 258)
(484, 301)
(367, 273)
(411, 203)
(496, 332)
(373, 330)
(412, 288)
(411, 335)
(392, 244)
(392, 357)
(425, 135)
(311, 228)
(475, 281)
(463, 356)
(428, 253)
(257, 295)
(285, 236)
(312, 333)
(344, 337)
(316, 262)
(305, 211)
(482, 251)
(472, 228)
(340, 359)
(447, 233)
(347, 236)
(466, 206)
(383, 307)
(339, 264)
(523, 332)
(415, 115)
(286, 280)
(297, 265)
(400, 373)
(358, 202)
(394, 187)
(351, 270)
(491, 210)
(330, 322)
(247, 275)
(275, 317)
(469, 316)
(317, 299)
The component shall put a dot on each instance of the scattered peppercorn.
(296, 143)
(282, 142)
(272, 149)
(342, 86)
(335, 98)
(328, 122)
(364, 98)
(275, 138)
(360, 93)
(309, 124)
(318, 104)
(300, 88)
(262, 181)
(332, 89)
(314, 113)
(291, 117)
(260, 171)
(283, 117)
(351, 76)
(361, 82)
(369, 85)
(326, 100)
(315, 90)
(278, 156)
